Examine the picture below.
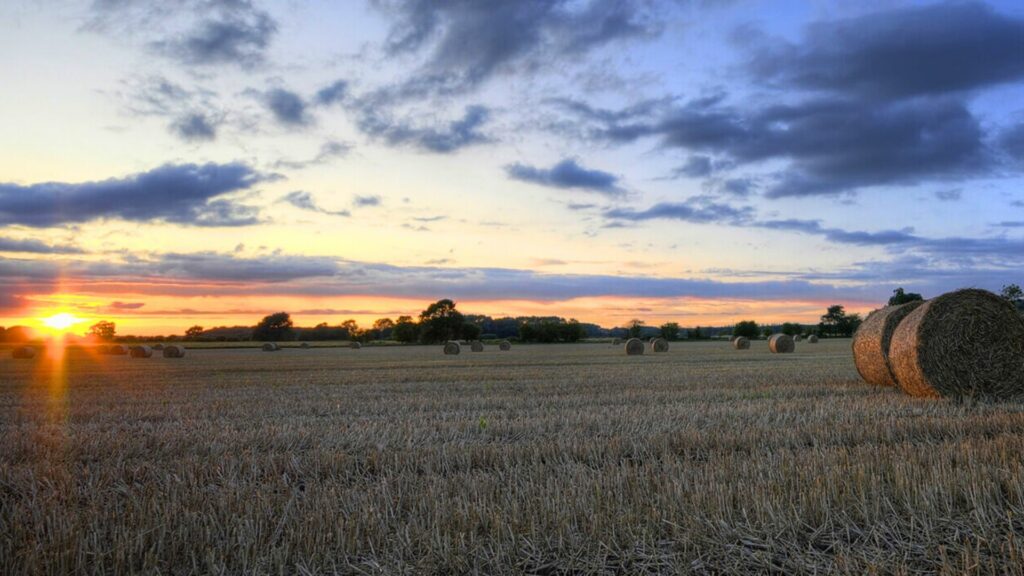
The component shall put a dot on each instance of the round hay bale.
(23, 353)
(477, 346)
(797, 338)
(871, 343)
(741, 343)
(270, 347)
(659, 345)
(964, 343)
(141, 352)
(504, 346)
(158, 347)
(117, 350)
(617, 342)
(101, 349)
(634, 347)
(355, 345)
(452, 348)
(174, 351)
(781, 344)
(812, 339)
(304, 345)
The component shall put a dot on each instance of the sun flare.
(61, 322)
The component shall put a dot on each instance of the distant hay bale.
(23, 353)
(797, 338)
(174, 351)
(141, 352)
(304, 345)
(659, 345)
(964, 343)
(634, 347)
(812, 339)
(504, 346)
(355, 345)
(477, 346)
(452, 348)
(741, 343)
(117, 350)
(871, 343)
(270, 347)
(617, 342)
(781, 344)
(102, 349)
(158, 347)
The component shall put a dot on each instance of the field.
(560, 459)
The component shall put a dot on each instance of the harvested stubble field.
(572, 459)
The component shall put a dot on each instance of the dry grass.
(540, 460)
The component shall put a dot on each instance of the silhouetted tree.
(274, 327)
(836, 322)
(1015, 295)
(405, 330)
(748, 329)
(635, 328)
(791, 328)
(901, 297)
(470, 331)
(103, 330)
(193, 332)
(440, 322)
(382, 328)
(670, 331)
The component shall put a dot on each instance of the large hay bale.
(477, 346)
(659, 345)
(271, 347)
(504, 346)
(117, 350)
(141, 352)
(871, 343)
(452, 348)
(781, 344)
(741, 343)
(23, 353)
(634, 347)
(812, 339)
(964, 343)
(174, 351)
(355, 345)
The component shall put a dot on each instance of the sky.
(701, 162)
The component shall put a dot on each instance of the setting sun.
(62, 321)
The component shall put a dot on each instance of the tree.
(747, 329)
(635, 328)
(274, 327)
(791, 328)
(103, 330)
(351, 329)
(571, 331)
(470, 331)
(835, 322)
(670, 331)
(767, 331)
(901, 297)
(382, 328)
(1015, 295)
(440, 322)
(193, 332)
(697, 334)
(405, 330)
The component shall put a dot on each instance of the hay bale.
(158, 347)
(781, 344)
(477, 346)
(23, 353)
(101, 349)
(504, 346)
(117, 350)
(271, 347)
(452, 348)
(741, 343)
(617, 342)
(174, 351)
(304, 345)
(659, 345)
(634, 347)
(355, 345)
(141, 352)
(964, 343)
(812, 339)
(797, 338)
(871, 343)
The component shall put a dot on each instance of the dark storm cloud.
(448, 138)
(567, 174)
(287, 107)
(305, 201)
(1011, 141)
(178, 193)
(29, 246)
(194, 127)
(469, 42)
(921, 50)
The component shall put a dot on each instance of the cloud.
(882, 238)
(305, 201)
(30, 246)
(364, 201)
(567, 174)
(949, 195)
(329, 150)
(328, 95)
(1011, 224)
(118, 305)
(470, 42)
(194, 127)
(455, 135)
(696, 167)
(287, 107)
(697, 210)
(188, 194)
(1011, 141)
(934, 49)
